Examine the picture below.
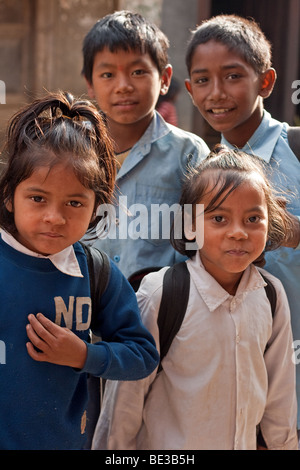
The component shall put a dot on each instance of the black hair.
(124, 30)
(57, 129)
(230, 168)
(242, 35)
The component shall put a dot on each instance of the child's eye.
(75, 204)
(37, 198)
(106, 75)
(138, 72)
(234, 76)
(218, 218)
(201, 80)
(254, 218)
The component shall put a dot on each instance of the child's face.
(236, 232)
(52, 209)
(227, 91)
(126, 86)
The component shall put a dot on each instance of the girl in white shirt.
(230, 367)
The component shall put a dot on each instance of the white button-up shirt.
(217, 382)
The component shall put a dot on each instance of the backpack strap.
(271, 293)
(294, 140)
(99, 270)
(175, 296)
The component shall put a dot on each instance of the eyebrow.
(34, 189)
(236, 65)
(139, 61)
(225, 209)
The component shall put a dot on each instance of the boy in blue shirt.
(229, 65)
(126, 69)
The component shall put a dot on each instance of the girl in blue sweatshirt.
(60, 168)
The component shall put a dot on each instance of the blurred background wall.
(41, 40)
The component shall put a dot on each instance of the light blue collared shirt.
(151, 175)
(270, 142)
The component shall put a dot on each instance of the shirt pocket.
(155, 208)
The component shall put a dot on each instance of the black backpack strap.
(294, 140)
(175, 296)
(99, 270)
(272, 297)
(271, 293)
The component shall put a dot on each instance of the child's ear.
(166, 79)
(9, 205)
(268, 79)
(188, 86)
(90, 89)
(187, 83)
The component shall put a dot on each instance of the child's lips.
(219, 111)
(236, 252)
(51, 234)
(125, 104)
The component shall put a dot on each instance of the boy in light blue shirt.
(229, 64)
(126, 69)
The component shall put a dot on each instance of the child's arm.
(278, 425)
(55, 344)
(127, 350)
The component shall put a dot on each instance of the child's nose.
(217, 91)
(124, 84)
(237, 231)
(54, 216)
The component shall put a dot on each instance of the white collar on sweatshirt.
(65, 261)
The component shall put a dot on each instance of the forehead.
(121, 58)
(214, 54)
(251, 187)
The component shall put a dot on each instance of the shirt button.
(116, 258)
(237, 339)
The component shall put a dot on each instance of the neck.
(231, 286)
(126, 135)
(239, 135)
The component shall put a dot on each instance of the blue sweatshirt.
(42, 405)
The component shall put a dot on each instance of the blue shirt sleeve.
(127, 350)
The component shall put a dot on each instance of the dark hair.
(57, 129)
(231, 168)
(242, 35)
(126, 31)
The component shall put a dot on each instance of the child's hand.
(56, 344)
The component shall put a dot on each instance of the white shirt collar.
(210, 290)
(65, 261)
